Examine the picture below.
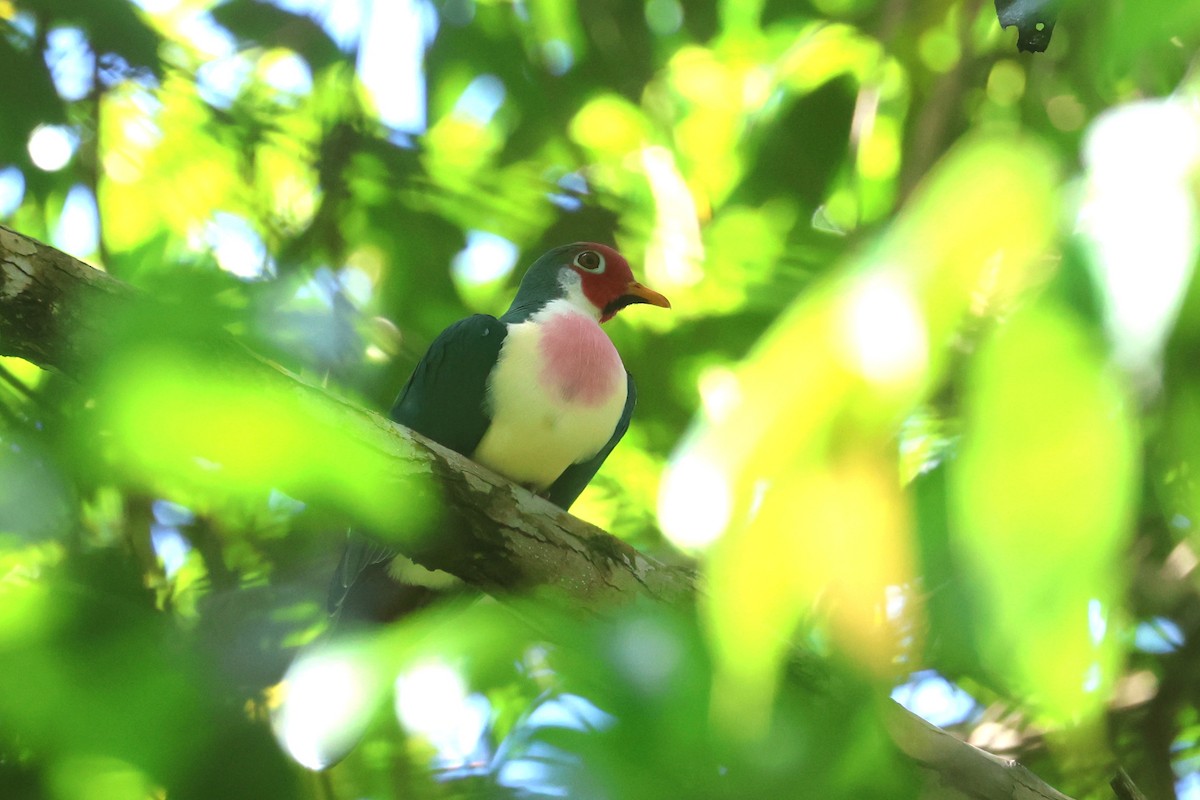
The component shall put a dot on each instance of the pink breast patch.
(579, 360)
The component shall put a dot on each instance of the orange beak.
(634, 293)
(641, 294)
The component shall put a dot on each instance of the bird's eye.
(590, 261)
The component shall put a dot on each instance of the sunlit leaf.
(153, 155)
(207, 437)
(799, 470)
(1042, 497)
(610, 126)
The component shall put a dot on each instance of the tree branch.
(499, 537)
(43, 297)
(955, 769)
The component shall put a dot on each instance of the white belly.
(556, 395)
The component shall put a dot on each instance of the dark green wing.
(444, 397)
(572, 482)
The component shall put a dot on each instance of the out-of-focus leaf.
(26, 103)
(833, 527)
(950, 600)
(337, 689)
(650, 734)
(1129, 40)
(266, 24)
(100, 649)
(169, 170)
(1181, 435)
(113, 26)
(1141, 208)
(797, 469)
(822, 121)
(211, 437)
(1042, 502)
(37, 501)
(622, 703)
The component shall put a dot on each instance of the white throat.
(572, 286)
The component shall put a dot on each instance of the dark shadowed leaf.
(24, 103)
(112, 26)
(1034, 20)
(264, 24)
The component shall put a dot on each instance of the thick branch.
(501, 537)
(43, 296)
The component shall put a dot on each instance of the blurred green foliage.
(926, 404)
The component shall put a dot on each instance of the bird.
(538, 395)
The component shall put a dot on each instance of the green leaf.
(25, 103)
(1042, 502)
(264, 24)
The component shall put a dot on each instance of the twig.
(1124, 788)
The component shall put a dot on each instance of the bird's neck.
(570, 300)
